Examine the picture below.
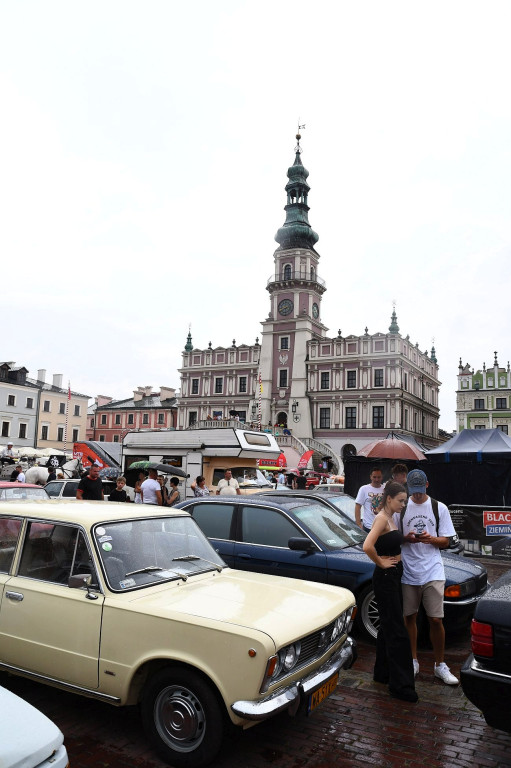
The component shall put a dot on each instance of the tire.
(182, 717)
(367, 619)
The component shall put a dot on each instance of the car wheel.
(182, 717)
(310, 487)
(367, 619)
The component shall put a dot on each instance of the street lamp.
(294, 406)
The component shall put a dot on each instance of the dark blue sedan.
(304, 536)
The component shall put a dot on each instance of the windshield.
(14, 494)
(331, 528)
(140, 553)
(246, 477)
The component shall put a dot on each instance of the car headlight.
(288, 657)
(460, 590)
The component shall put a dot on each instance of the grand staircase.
(293, 447)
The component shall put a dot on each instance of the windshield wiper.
(188, 558)
(149, 568)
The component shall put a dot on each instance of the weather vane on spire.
(298, 136)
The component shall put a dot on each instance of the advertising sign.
(485, 531)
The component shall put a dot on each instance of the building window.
(161, 418)
(46, 406)
(44, 432)
(406, 419)
(192, 418)
(378, 377)
(324, 418)
(501, 403)
(351, 418)
(130, 418)
(405, 381)
(287, 272)
(22, 431)
(283, 377)
(92, 422)
(11, 399)
(502, 427)
(284, 342)
(60, 434)
(219, 385)
(116, 438)
(243, 383)
(378, 417)
(352, 380)
(75, 435)
(117, 418)
(103, 418)
(30, 402)
(145, 418)
(479, 404)
(325, 380)
(479, 426)
(195, 386)
(62, 407)
(77, 410)
(101, 438)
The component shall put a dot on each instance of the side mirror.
(80, 580)
(301, 544)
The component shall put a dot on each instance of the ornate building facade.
(343, 390)
(483, 397)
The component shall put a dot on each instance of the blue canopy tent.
(473, 467)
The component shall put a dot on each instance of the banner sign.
(485, 531)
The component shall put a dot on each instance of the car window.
(22, 492)
(333, 529)
(271, 527)
(53, 489)
(48, 556)
(10, 529)
(345, 504)
(83, 562)
(70, 489)
(214, 519)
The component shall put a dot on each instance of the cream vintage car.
(139, 609)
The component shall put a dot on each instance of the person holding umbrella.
(151, 490)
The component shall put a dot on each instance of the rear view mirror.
(80, 580)
(301, 544)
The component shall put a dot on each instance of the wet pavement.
(359, 724)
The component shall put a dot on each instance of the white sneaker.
(443, 672)
(415, 667)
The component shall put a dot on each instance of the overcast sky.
(144, 156)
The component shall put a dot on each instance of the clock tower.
(295, 291)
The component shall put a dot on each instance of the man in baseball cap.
(426, 532)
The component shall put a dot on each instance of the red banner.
(304, 459)
(280, 462)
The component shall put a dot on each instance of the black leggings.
(393, 663)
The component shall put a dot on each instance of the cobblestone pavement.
(357, 725)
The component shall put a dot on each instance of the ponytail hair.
(391, 491)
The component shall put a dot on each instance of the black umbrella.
(166, 469)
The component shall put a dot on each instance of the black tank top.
(389, 544)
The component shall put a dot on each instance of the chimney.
(57, 380)
(148, 391)
(138, 394)
(41, 375)
(167, 393)
(102, 400)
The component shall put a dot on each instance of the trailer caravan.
(207, 452)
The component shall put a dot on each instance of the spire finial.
(298, 148)
(189, 345)
(433, 351)
(495, 362)
(393, 327)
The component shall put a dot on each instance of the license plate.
(321, 694)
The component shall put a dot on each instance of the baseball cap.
(416, 481)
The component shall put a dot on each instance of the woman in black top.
(393, 663)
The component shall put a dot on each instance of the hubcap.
(370, 615)
(180, 718)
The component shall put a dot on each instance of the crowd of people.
(406, 530)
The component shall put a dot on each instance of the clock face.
(315, 311)
(285, 307)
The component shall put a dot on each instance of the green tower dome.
(296, 231)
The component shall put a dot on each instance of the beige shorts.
(431, 595)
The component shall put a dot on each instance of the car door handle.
(243, 556)
(14, 596)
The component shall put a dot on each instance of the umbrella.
(391, 448)
(109, 473)
(163, 468)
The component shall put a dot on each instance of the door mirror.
(301, 544)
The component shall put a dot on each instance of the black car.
(486, 674)
(303, 535)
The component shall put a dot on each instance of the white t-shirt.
(423, 562)
(369, 498)
(149, 488)
(21, 478)
(227, 487)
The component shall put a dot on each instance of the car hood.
(27, 736)
(284, 609)
(458, 569)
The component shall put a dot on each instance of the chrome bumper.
(291, 697)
